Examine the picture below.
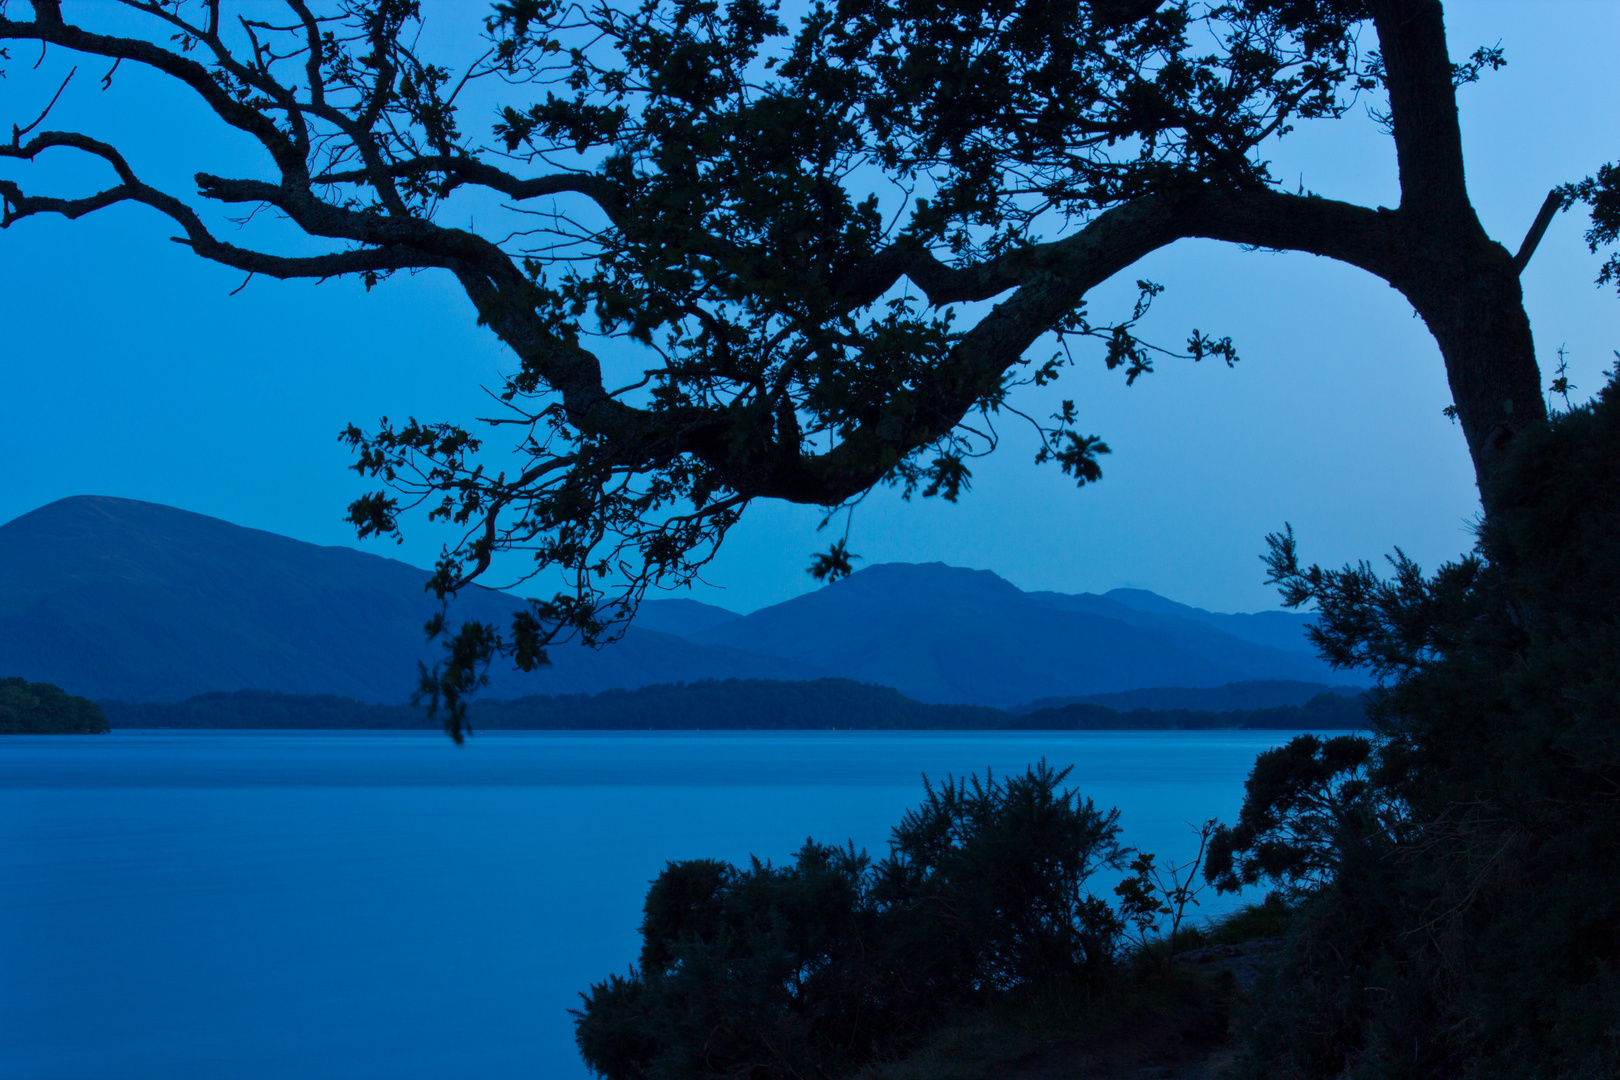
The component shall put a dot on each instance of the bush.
(1458, 913)
(818, 966)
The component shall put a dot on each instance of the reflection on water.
(390, 905)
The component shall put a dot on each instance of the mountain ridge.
(120, 599)
(949, 635)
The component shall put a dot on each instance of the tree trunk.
(1461, 282)
(1473, 306)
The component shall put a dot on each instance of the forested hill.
(28, 708)
(732, 704)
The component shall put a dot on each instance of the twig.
(17, 133)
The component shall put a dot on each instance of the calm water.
(353, 905)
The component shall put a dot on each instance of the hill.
(946, 635)
(728, 705)
(42, 709)
(113, 598)
(1255, 694)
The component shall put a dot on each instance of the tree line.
(730, 704)
(31, 708)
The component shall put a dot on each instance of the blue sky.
(127, 368)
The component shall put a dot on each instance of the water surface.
(386, 904)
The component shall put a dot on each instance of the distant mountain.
(1276, 629)
(113, 598)
(682, 617)
(946, 635)
(123, 600)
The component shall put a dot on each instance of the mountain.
(942, 634)
(682, 617)
(1276, 629)
(113, 598)
(117, 599)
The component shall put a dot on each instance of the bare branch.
(19, 205)
(17, 133)
(1538, 228)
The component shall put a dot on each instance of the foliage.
(1307, 808)
(1264, 920)
(736, 259)
(1458, 915)
(833, 960)
(30, 708)
(1151, 893)
(1602, 192)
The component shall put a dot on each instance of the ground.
(1171, 1028)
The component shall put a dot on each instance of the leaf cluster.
(1601, 192)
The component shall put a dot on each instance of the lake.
(387, 904)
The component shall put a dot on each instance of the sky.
(128, 368)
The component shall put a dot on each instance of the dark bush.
(1307, 808)
(818, 966)
(1459, 889)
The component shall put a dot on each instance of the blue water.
(351, 905)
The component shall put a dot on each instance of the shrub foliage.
(1458, 873)
(833, 959)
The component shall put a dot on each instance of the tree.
(712, 173)
(29, 708)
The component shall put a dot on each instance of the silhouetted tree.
(699, 182)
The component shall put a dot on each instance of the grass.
(1267, 919)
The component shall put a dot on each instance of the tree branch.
(47, 26)
(1538, 228)
(19, 205)
(459, 170)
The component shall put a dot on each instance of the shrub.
(1456, 877)
(832, 960)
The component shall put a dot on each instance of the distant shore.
(732, 704)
